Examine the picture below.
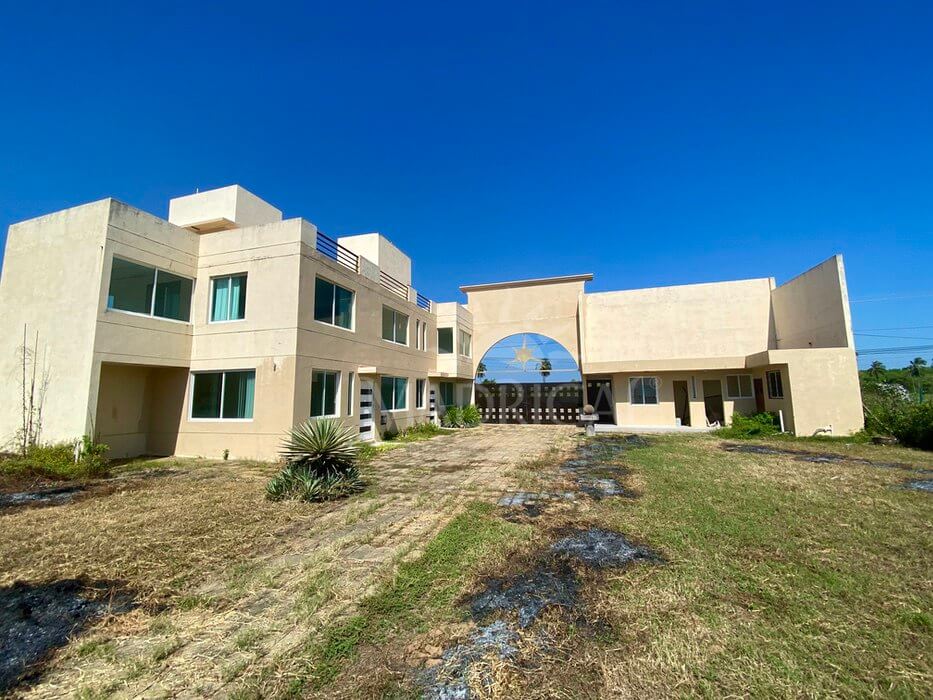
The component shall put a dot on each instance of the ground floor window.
(419, 393)
(447, 393)
(643, 390)
(223, 395)
(394, 390)
(775, 384)
(323, 393)
(739, 386)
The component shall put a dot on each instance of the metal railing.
(333, 250)
(423, 302)
(393, 285)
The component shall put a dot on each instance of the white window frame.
(351, 399)
(393, 378)
(333, 305)
(395, 313)
(631, 391)
(155, 285)
(210, 302)
(223, 387)
(424, 335)
(751, 386)
(420, 392)
(418, 334)
(337, 398)
(469, 343)
(780, 381)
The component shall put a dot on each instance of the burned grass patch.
(919, 485)
(37, 619)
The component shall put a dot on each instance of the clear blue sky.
(650, 144)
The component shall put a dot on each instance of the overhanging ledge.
(526, 283)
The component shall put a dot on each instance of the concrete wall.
(226, 207)
(361, 350)
(693, 326)
(51, 284)
(378, 249)
(812, 310)
(548, 307)
(454, 365)
(663, 413)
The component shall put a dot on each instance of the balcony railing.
(393, 285)
(333, 250)
(423, 302)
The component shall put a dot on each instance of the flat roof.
(527, 283)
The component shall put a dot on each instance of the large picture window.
(775, 384)
(223, 395)
(228, 298)
(739, 386)
(643, 390)
(141, 289)
(394, 390)
(394, 326)
(323, 393)
(445, 341)
(333, 304)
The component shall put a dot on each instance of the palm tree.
(481, 370)
(916, 366)
(876, 370)
(544, 367)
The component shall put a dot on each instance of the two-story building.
(224, 325)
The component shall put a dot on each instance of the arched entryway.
(528, 378)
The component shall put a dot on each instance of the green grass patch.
(417, 433)
(56, 462)
(421, 594)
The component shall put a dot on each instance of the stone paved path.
(317, 575)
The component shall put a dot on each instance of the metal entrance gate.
(530, 402)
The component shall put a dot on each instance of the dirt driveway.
(229, 582)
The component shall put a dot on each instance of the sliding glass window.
(228, 298)
(394, 392)
(223, 395)
(333, 304)
(141, 289)
(394, 326)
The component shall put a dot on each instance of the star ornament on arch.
(523, 355)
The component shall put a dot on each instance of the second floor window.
(394, 326)
(466, 344)
(333, 304)
(228, 298)
(445, 341)
(141, 289)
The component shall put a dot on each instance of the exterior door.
(367, 431)
(712, 397)
(759, 396)
(599, 396)
(682, 402)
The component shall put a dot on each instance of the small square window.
(739, 386)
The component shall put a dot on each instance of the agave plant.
(471, 416)
(320, 463)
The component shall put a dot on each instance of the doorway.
(681, 402)
(712, 398)
(759, 396)
(599, 396)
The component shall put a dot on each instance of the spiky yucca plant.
(320, 463)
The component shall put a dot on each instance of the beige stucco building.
(226, 324)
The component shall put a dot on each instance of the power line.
(893, 297)
(893, 351)
(901, 337)
(896, 328)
